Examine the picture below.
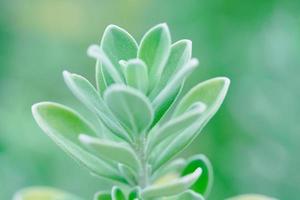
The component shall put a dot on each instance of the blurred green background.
(253, 141)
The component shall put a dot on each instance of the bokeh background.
(253, 141)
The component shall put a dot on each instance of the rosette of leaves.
(144, 124)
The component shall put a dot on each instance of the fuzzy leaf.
(204, 183)
(131, 107)
(212, 93)
(88, 95)
(172, 188)
(174, 168)
(154, 50)
(63, 126)
(115, 151)
(43, 193)
(168, 94)
(136, 74)
(181, 52)
(251, 197)
(128, 174)
(117, 194)
(188, 195)
(175, 126)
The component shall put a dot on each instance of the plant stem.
(143, 173)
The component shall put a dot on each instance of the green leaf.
(172, 188)
(175, 126)
(154, 50)
(168, 94)
(128, 174)
(117, 194)
(115, 151)
(100, 82)
(135, 194)
(118, 45)
(188, 195)
(88, 95)
(131, 107)
(43, 193)
(102, 196)
(251, 197)
(181, 52)
(63, 126)
(174, 167)
(212, 93)
(114, 75)
(136, 74)
(204, 183)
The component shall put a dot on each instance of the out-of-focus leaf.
(251, 197)
(175, 126)
(63, 126)
(88, 95)
(134, 194)
(188, 195)
(102, 196)
(136, 74)
(117, 194)
(128, 174)
(109, 150)
(118, 45)
(154, 50)
(131, 107)
(173, 187)
(181, 52)
(43, 193)
(204, 183)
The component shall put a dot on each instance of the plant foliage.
(145, 124)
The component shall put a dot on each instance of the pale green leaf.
(174, 168)
(88, 95)
(136, 74)
(114, 75)
(172, 188)
(212, 93)
(251, 197)
(204, 183)
(115, 151)
(169, 93)
(188, 195)
(63, 126)
(154, 50)
(175, 126)
(181, 52)
(43, 193)
(131, 107)
(118, 45)
(100, 82)
(128, 174)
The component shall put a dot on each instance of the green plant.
(144, 122)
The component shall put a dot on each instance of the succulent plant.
(145, 120)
